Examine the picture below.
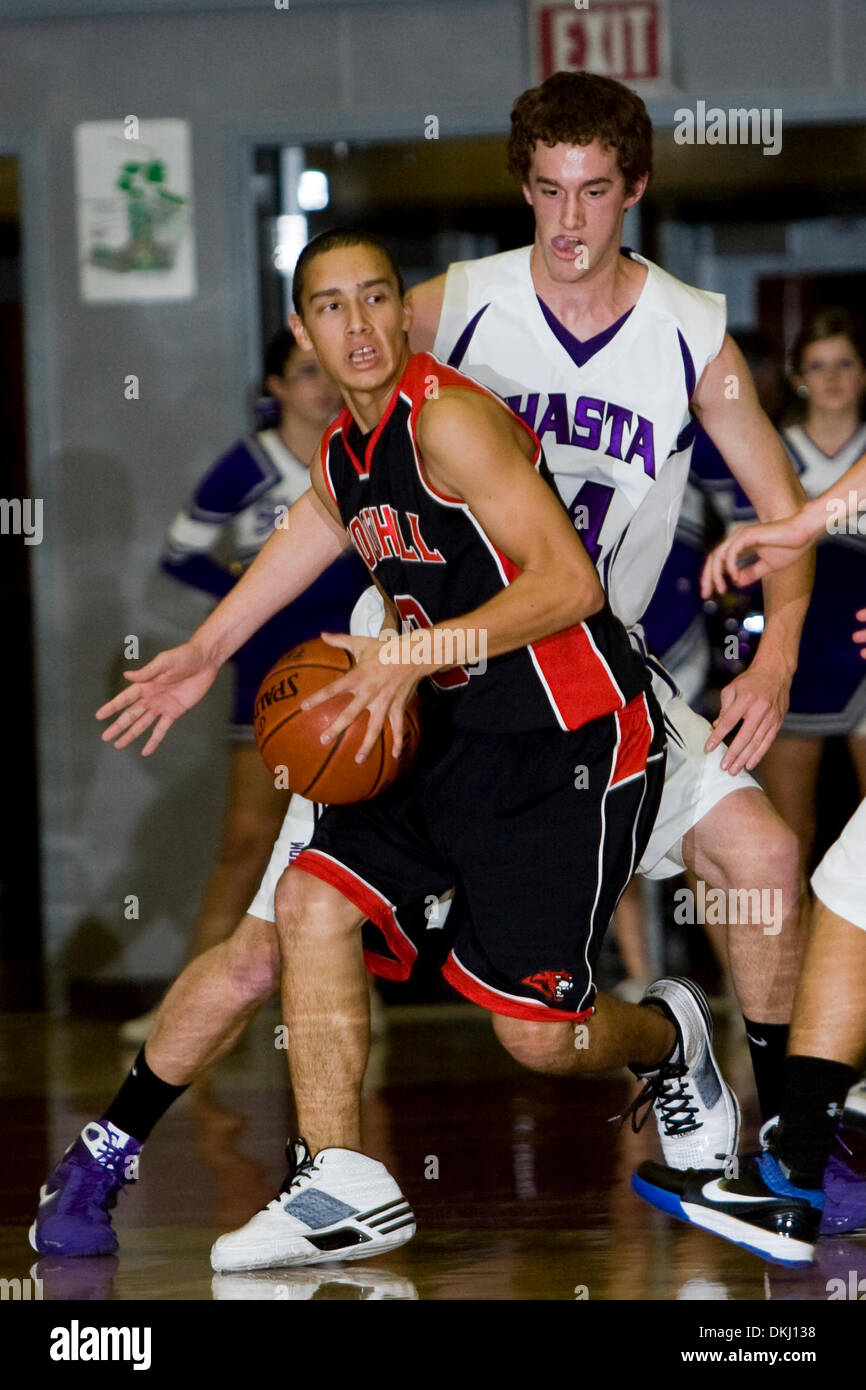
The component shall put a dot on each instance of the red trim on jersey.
(366, 898)
(389, 411)
(324, 451)
(581, 686)
(356, 463)
(424, 365)
(635, 737)
(472, 988)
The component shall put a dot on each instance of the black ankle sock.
(812, 1105)
(768, 1043)
(141, 1101)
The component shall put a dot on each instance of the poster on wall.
(625, 39)
(133, 188)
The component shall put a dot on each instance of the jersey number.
(588, 511)
(414, 617)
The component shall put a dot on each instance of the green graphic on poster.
(134, 210)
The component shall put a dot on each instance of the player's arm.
(777, 544)
(473, 449)
(307, 541)
(426, 301)
(755, 455)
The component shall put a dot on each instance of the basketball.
(289, 736)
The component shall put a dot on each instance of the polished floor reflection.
(519, 1183)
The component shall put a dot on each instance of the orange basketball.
(289, 737)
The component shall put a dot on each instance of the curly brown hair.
(575, 108)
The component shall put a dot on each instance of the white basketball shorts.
(694, 780)
(840, 879)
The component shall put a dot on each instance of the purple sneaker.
(78, 1194)
(844, 1189)
(845, 1198)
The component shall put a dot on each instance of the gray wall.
(112, 471)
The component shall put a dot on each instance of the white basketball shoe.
(697, 1113)
(339, 1206)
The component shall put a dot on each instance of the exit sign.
(626, 39)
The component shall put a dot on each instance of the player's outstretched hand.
(381, 687)
(750, 552)
(158, 694)
(860, 634)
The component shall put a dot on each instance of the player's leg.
(212, 1001)
(254, 812)
(324, 993)
(742, 847)
(855, 1107)
(337, 1203)
(199, 1020)
(528, 945)
(789, 773)
(774, 1204)
(725, 831)
(617, 1035)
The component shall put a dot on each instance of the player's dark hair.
(336, 240)
(575, 108)
(278, 350)
(832, 322)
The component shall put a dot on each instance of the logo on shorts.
(553, 984)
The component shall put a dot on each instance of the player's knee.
(538, 1046)
(303, 904)
(767, 859)
(783, 862)
(254, 959)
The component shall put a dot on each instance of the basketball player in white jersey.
(608, 358)
(781, 1198)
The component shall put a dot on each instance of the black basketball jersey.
(433, 558)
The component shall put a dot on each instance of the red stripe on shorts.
(635, 737)
(372, 904)
(472, 988)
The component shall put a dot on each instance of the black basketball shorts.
(537, 832)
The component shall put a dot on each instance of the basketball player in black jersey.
(445, 494)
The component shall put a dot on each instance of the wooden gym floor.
(519, 1183)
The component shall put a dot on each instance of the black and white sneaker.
(339, 1206)
(758, 1209)
(696, 1111)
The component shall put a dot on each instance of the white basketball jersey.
(612, 413)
